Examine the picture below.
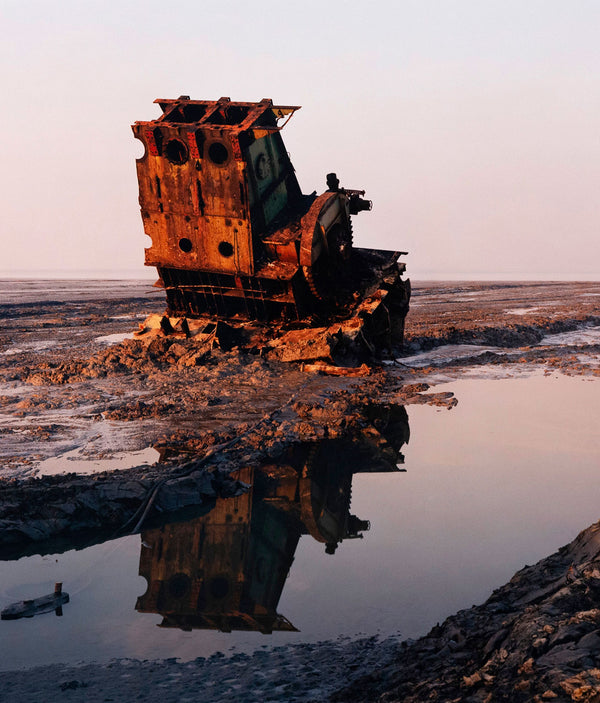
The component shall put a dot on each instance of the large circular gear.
(326, 248)
(308, 275)
(339, 240)
(325, 275)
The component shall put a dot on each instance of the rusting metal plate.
(232, 235)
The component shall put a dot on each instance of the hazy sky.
(473, 125)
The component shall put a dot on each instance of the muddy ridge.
(537, 638)
(75, 385)
(195, 470)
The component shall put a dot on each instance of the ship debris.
(37, 606)
(235, 240)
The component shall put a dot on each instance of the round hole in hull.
(217, 153)
(176, 151)
(218, 587)
(179, 585)
(225, 249)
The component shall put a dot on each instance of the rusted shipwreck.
(234, 238)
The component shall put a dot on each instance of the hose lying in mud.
(152, 493)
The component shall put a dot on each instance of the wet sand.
(65, 387)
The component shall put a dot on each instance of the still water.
(503, 479)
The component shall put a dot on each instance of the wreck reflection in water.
(226, 570)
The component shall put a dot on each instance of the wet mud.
(75, 384)
(42, 514)
(513, 318)
(66, 389)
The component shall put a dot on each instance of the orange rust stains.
(232, 234)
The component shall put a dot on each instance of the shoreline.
(535, 638)
(85, 382)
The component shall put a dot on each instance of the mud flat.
(506, 326)
(73, 392)
(65, 387)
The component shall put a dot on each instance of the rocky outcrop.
(535, 639)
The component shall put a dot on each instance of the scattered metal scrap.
(234, 238)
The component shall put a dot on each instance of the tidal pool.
(502, 480)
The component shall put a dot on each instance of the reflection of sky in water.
(29, 347)
(74, 462)
(448, 352)
(445, 353)
(500, 481)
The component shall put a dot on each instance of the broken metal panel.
(226, 114)
(194, 209)
(305, 345)
(272, 183)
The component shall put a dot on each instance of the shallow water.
(449, 352)
(501, 480)
(19, 291)
(445, 353)
(587, 335)
(114, 338)
(29, 346)
(74, 461)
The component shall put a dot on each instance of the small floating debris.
(37, 606)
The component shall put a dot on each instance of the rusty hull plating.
(233, 237)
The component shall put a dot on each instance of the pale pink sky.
(473, 126)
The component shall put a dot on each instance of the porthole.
(217, 153)
(176, 152)
(225, 249)
(179, 585)
(185, 245)
(218, 587)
